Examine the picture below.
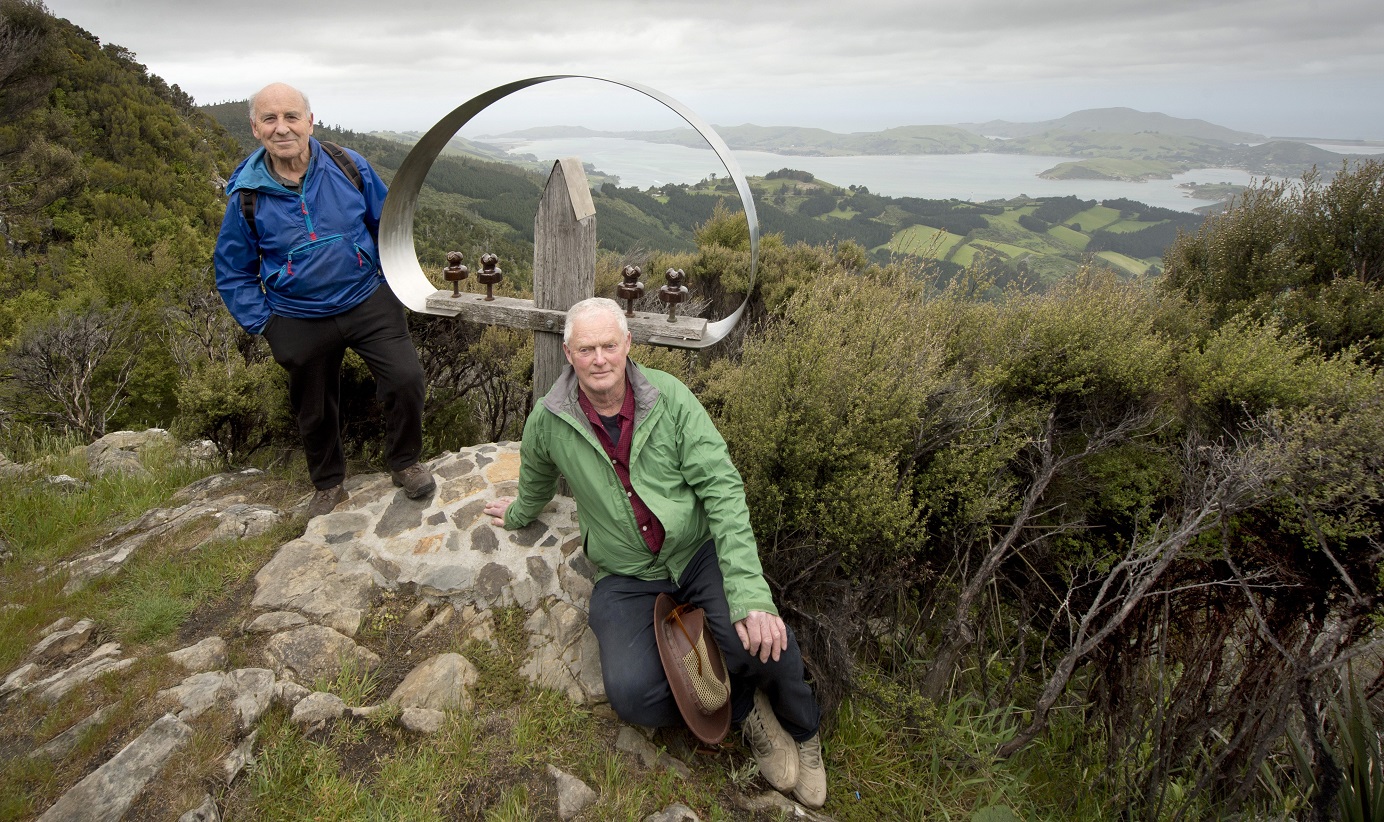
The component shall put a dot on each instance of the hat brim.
(672, 647)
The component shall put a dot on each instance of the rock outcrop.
(439, 557)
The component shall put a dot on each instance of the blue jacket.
(312, 253)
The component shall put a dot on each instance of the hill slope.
(1116, 121)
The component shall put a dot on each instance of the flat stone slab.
(305, 576)
(106, 793)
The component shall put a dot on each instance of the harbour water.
(973, 177)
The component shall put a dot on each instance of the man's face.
(597, 352)
(282, 124)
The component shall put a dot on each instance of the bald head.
(280, 90)
(282, 122)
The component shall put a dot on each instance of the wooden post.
(564, 261)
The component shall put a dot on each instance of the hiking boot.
(325, 500)
(773, 748)
(416, 480)
(811, 789)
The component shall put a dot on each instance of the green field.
(1130, 226)
(1129, 264)
(1095, 218)
(1067, 236)
(923, 241)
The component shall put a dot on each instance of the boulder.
(573, 795)
(637, 745)
(305, 577)
(315, 651)
(288, 693)
(677, 812)
(242, 521)
(317, 708)
(248, 691)
(196, 694)
(207, 655)
(237, 760)
(63, 641)
(275, 621)
(422, 720)
(252, 690)
(439, 683)
(105, 659)
(62, 744)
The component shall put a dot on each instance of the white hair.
(307, 107)
(592, 306)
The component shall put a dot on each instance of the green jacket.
(680, 467)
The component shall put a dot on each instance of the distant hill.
(792, 140)
(1286, 158)
(1116, 121)
(455, 146)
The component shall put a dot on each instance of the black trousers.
(622, 618)
(311, 350)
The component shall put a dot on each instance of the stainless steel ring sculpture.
(397, 255)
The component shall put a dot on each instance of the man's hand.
(763, 634)
(496, 508)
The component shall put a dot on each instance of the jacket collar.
(254, 173)
(562, 397)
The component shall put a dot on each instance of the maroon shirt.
(619, 452)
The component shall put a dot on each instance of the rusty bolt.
(674, 292)
(455, 272)
(630, 289)
(489, 275)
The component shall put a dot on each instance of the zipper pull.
(303, 206)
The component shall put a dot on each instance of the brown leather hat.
(695, 669)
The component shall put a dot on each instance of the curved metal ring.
(400, 261)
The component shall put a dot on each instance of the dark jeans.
(622, 617)
(311, 351)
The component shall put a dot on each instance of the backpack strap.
(345, 163)
(338, 155)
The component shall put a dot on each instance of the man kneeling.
(662, 510)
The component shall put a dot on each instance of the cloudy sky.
(1276, 67)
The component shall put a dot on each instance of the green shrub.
(236, 406)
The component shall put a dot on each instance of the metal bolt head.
(455, 271)
(490, 272)
(674, 292)
(630, 288)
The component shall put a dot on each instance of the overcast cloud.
(1299, 68)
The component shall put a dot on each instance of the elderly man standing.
(662, 510)
(296, 261)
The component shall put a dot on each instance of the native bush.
(240, 407)
(826, 405)
(72, 370)
(823, 413)
(1309, 254)
(1247, 367)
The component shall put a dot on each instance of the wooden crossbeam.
(516, 313)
